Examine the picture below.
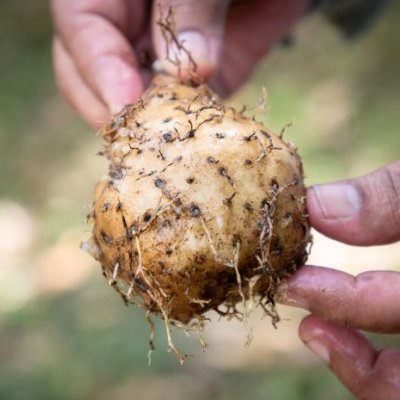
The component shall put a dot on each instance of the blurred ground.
(63, 332)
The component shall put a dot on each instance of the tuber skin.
(202, 206)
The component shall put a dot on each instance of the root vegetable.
(203, 207)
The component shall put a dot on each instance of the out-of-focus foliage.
(63, 333)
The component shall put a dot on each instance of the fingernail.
(117, 82)
(281, 293)
(338, 200)
(283, 296)
(198, 45)
(319, 349)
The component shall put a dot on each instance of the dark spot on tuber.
(141, 285)
(146, 217)
(134, 229)
(167, 137)
(116, 173)
(248, 207)
(212, 160)
(274, 185)
(194, 210)
(160, 183)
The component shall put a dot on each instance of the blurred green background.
(63, 333)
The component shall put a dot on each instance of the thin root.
(182, 357)
(168, 32)
(239, 282)
(218, 259)
(152, 332)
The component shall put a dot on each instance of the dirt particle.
(146, 217)
(140, 285)
(134, 229)
(212, 160)
(220, 135)
(160, 183)
(274, 185)
(167, 137)
(190, 180)
(194, 210)
(248, 207)
(247, 162)
(117, 173)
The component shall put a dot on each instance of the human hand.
(98, 45)
(364, 211)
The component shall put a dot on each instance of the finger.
(368, 373)
(199, 26)
(361, 211)
(369, 301)
(253, 28)
(91, 32)
(75, 90)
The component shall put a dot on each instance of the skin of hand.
(100, 46)
(364, 211)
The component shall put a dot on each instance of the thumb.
(199, 27)
(363, 211)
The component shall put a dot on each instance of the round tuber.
(202, 207)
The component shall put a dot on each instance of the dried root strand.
(269, 309)
(218, 259)
(283, 130)
(168, 32)
(152, 333)
(182, 357)
(242, 295)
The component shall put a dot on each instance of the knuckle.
(391, 186)
(382, 198)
